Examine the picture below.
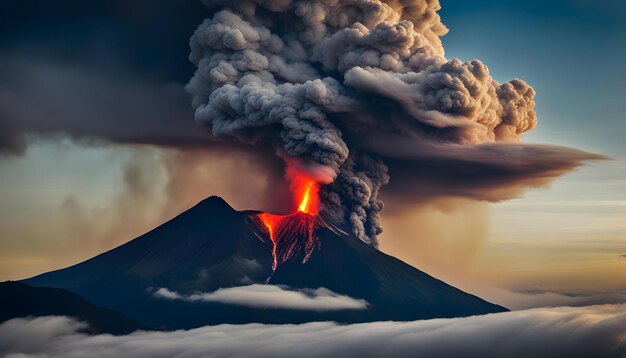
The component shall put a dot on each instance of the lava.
(270, 221)
(306, 193)
(293, 235)
(305, 203)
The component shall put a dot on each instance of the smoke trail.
(342, 83)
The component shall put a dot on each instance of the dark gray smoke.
(355, 85)
(46, 98)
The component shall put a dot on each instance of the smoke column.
(342, 87)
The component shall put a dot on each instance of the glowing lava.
(305, 203)
(293, 235)
(270, 221)
(306, 192)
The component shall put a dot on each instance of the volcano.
(212, 246)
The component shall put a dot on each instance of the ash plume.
(362, 87)
(45, 98)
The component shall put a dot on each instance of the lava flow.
(293, 235)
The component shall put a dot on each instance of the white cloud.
(594, 331)
(271, 296)
(34, 334)
(165, 293)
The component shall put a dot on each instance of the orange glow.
(306, 192)
(270, 221)
(306, 199)
(293, 233)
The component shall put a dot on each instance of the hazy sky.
(573, 234)
(62, 201)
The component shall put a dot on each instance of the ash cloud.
(272, 297)
(358, 91)
(363, 88)
(43, 99)
(489, 171)
(595, 331)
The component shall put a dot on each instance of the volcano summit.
(170, 277)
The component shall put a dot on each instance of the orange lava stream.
(271, 221)
(290, 235)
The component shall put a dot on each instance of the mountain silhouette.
(20, 300)
(212, 246)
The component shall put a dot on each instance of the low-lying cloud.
(272, 296)
(594, 331)
(541, 298)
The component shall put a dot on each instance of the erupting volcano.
(349, 101)
(213, 246)
(294, 235)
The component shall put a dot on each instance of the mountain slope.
(20, 300)
(212, 246)
(394, 289)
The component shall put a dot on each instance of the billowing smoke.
(362, 88)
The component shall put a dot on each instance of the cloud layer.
(595, 331)
(271, 296)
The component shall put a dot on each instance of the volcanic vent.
(294, 236)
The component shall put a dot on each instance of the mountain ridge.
(21, 300)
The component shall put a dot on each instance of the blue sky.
(571, 52)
